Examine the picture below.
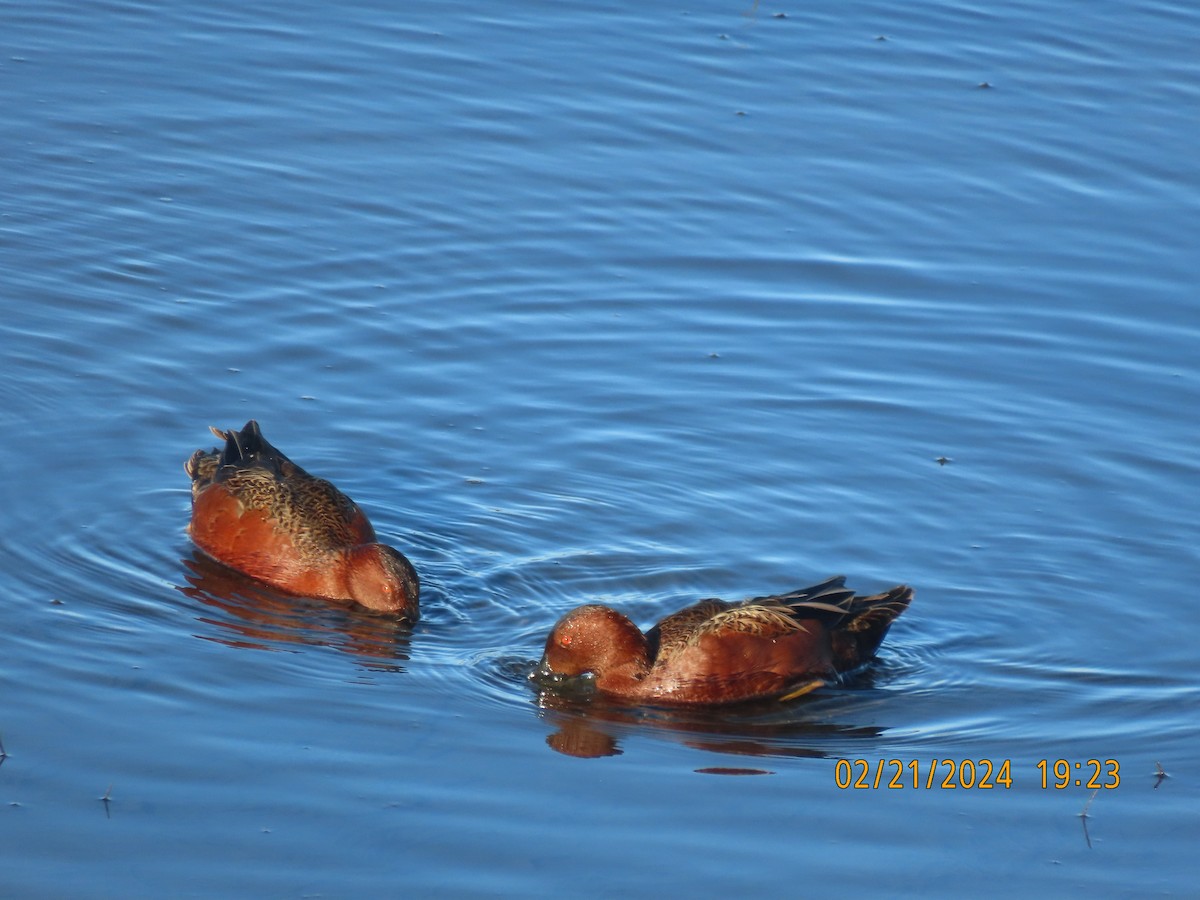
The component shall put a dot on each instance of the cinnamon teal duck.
(256, 511)
(717, 652)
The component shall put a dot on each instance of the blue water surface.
(617, 303)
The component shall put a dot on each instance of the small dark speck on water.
(881, 37)
(983, 85)
(942, 460)
(779, 15)
(732, 770)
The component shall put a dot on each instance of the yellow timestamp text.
(971, 774)
(1093, 774)
(927, 774)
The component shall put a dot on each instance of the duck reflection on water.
(589, 729)
(252, 616)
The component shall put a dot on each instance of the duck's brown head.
(380, 578)
(593, 640)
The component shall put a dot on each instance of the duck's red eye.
(564, 641)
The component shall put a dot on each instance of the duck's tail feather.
(201, 466)
(859, 635)
(242, 447)
(248, 447)
(828, 602)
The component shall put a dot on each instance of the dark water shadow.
(249, 615)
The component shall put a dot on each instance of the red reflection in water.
(252, 616)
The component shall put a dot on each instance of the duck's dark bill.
(580, 686)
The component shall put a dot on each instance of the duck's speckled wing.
(677, 629)
(311, 510)
(766, 619)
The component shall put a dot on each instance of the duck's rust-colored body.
(256, 511)
(717, 652)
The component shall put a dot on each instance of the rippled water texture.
(614, 303)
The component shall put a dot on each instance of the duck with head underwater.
(256, 511)
(718, 652)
